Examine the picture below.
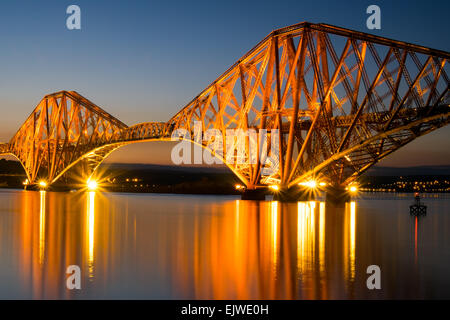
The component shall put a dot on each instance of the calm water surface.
(153, 246)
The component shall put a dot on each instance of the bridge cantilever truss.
(342, 101)
(66, 130)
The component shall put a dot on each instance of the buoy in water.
(418, 208)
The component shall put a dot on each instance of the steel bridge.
(342, 100)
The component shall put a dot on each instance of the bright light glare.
(353, 189)
(43, 184)
(310, 184)
(274, 187)
(322, 184)
(92, 185)
(238, 186)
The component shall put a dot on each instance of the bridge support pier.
(293, 195)
(31, 187)
(253, 194)
(53, 188)
(337, 195)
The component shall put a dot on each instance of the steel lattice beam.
(342, 101)
(324, 103)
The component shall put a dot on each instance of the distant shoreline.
(151, 178)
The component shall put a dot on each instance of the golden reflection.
(185, 249)
(52, 230)
(91, 231)
(322, 237)
(305, 236)
(263, 250)
(237, 217)
(274, 233)
(42, 226)
(352, 239)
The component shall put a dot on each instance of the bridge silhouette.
(342, 100)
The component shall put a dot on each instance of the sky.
(145, 60)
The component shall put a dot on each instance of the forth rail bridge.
(341, 100)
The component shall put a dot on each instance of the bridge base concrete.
(255, 194)
(337, 195)
(293, 195)
(53, 188)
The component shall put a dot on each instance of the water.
(153, 246)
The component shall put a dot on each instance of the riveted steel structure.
(68, 131)
(341, 101)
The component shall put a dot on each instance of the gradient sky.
(145, 60)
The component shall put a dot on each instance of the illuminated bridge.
(342, 101)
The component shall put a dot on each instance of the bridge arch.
(20, 161)
(433, 122)
(97, 156)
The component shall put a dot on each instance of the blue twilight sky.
(144, 60)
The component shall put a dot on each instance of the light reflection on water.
(206, 247)
(91, 233)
